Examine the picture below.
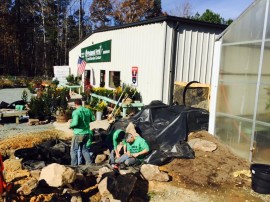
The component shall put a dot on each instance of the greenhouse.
(242, 88)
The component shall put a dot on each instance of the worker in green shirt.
(137, 148)
(119, 145)
(81, 118)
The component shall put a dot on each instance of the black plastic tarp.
(166, 129)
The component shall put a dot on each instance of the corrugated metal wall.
(149, 47)
(140, 46)
(194, 60)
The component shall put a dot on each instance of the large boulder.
(56, 175)
(152, 173)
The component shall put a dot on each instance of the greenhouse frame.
(240, 108)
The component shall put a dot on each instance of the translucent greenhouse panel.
(261, 152)
(263, 110)
(249, 26)
(265, 78)
(236, 99)
(235, 133)
(240, 62)
(268, 24)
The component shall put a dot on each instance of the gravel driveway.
(10, 95)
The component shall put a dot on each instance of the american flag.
(81, 66)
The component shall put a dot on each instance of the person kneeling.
(119, 146)
(137, 148)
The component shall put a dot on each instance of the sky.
(225, 8)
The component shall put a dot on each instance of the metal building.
(150, 55)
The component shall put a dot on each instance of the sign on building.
(134, 77)
(61, 73)
(100, 52)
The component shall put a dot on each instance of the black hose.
(185, 90)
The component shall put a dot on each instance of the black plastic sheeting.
(5, 105)
(51, 151)
(166, 129)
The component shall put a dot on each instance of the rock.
(202, 145)
(100, 158)
(75, 195)
(33, 122)
(118, 187)
(56, 175)
(12, 165)
(27, 187)
(35, 174)
(101, 171)
(107, 152)
(152, 172)
(103, 187)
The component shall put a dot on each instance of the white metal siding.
(194, 60)
(139, 46)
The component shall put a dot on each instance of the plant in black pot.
(62, 104)
(36, 108)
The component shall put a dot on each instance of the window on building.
(102, 78)
(114, 79)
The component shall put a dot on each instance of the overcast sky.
(226, 8)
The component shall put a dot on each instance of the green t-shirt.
(116, 140)
(138, 145)
(112, 138)
(81, 118)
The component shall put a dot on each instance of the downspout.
(164, 60)
(173, 62)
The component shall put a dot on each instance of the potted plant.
(100, 107)
(62, 104)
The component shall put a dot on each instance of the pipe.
(172, 64)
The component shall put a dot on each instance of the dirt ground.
(208, 177)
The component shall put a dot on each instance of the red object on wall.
(134, 72)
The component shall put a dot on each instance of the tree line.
(36, 35)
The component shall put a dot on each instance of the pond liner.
(260, 178)
(166, 129)
(50, 151)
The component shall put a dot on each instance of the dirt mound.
(212, 169)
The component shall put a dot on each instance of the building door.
(102, 78)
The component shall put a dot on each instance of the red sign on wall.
(134, 72)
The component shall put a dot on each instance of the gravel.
(12, 129)
(10, 95)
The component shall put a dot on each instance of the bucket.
(260, 178)
(98, 116)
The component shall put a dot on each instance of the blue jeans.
(78, 143)
(80, 157)
(127, 160)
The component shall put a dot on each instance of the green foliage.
(103, 92)
(210, 16)
(132, 93)
(62, 99)
(24, 96)
(36, 107)
(48, 101)
(55, 82)
(73, 81)
(268, 101)
(94, 101)
(101, 106)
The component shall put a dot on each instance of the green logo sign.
(100, 52)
